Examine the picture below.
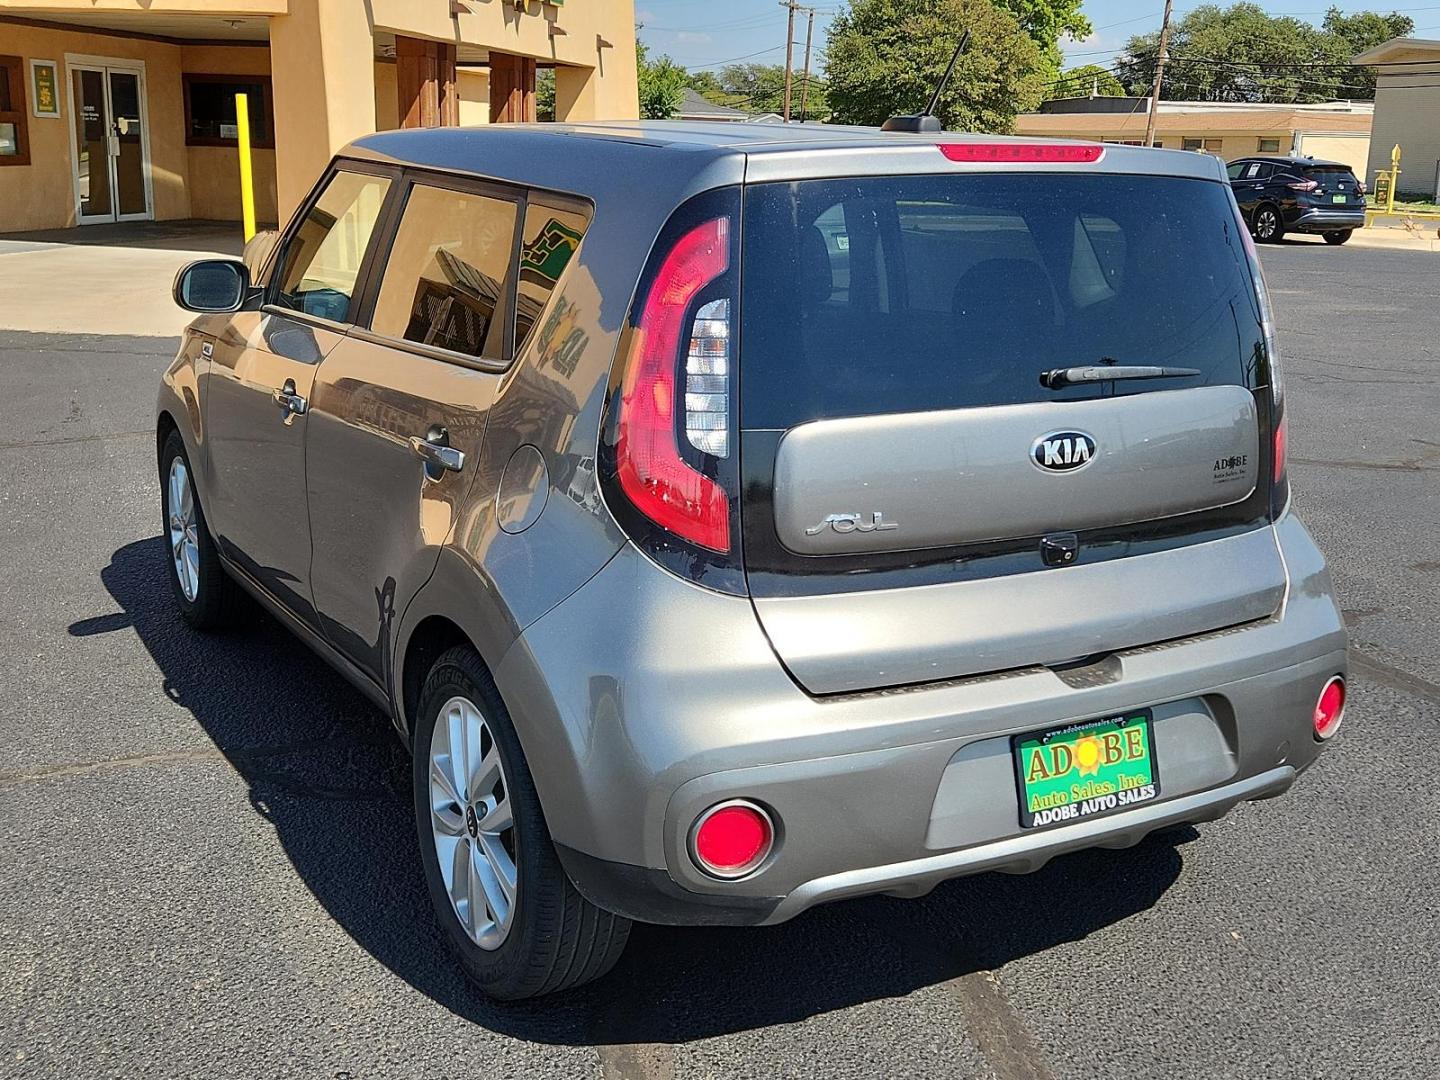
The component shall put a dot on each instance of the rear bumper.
(1322, 220)
(1027, 853)
(875, 792)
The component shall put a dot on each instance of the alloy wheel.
(184, 529)
(472, 823)
(1265, 224)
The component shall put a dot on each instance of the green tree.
(706, 84)
(545, 94)
(662, 85)
(885, 57)
(1354, 34)
(1086, 80)
(754, 87)
(1047, 21)
(1242, 53)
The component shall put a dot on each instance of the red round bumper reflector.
(731, 839)
(1330, 709)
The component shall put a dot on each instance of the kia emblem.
(1063, 451)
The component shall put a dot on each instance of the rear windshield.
(1329, 172)
(911, 293)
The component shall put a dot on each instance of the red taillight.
(1330, 709)
(1278, 458)
(731, 839)
(1303, 185)
(1359, 186)
(1005, 151)
(660, 484)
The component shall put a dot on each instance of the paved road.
(207, 865)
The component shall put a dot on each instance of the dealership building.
(124, 110)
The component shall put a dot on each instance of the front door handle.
(437, 453)
(294, 404)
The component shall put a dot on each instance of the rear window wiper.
(1055, 378)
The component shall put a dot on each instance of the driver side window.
(322, 259)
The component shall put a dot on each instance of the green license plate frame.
(1058, 782)
(1339, 198)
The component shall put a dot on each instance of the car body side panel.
(180, 395)
(257, 507)
(515, 554)
(379, 521)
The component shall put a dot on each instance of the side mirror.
(258, 249)
(212, 286)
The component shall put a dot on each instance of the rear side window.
(551, 238)
(445, 280)
(913, 293)
(323, 256)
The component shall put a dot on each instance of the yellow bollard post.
(1394, 176)
(247, 180)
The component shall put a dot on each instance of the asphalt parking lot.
(208, 865)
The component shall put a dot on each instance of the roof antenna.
(927, 121)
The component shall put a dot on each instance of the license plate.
(1086, 769)
(1339, 198)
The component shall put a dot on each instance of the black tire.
(217, 599)
(1267, 225)
(1337, 238)
(556, 938)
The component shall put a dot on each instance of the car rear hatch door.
(1335, 185)
(916, 504)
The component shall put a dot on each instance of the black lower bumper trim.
(650, 896)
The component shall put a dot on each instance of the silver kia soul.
(735, 518)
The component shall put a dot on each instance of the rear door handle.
(294, 404)
(437, 453)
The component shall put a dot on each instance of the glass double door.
(111, 143)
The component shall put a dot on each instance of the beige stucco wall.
(215, 170)
(474, 87)
(41, 195)
(325, 94)
(1407, 111)
(387, 98)
(1352, 150)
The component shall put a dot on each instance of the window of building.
(551, 238)
(210, 118)
(1209, 146)
(1267, 146)
(447, 274)
(14, 126)
(322, 258)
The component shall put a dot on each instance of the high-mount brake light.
(1004, 151)
(654, 477)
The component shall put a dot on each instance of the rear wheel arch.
(432, 638)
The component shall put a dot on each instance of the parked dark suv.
(738, 517)
(1298, 194)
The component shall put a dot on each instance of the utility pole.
(1159, 74)
(805, 86)
(791, 5)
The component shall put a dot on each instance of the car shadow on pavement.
(324, 768)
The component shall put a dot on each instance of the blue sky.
(710, 33)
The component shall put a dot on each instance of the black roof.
(1290, 159)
